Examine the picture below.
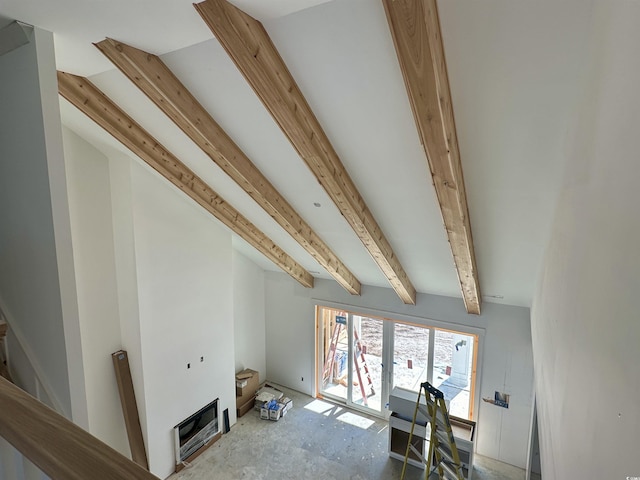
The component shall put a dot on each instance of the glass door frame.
(392, 340)
(385, 362)
(389, 319)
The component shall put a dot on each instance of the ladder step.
(416, 452)
(440, 414)
(443, 444)
(442, 419)
(446, 454)
(444, 436)
(450, 471)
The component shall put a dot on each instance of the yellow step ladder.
(442, 444)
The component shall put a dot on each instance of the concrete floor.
(315, 440)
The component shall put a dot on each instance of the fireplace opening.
(195, 433)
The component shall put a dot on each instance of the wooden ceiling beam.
(415, 28)
(253, 52)
(162, 87)
(97, 106)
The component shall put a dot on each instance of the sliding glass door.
(366, 368)
(410, 355)
(453, 370)
(334, 354)
(351, 359)
(362, 358)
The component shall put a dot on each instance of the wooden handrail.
(58, 447)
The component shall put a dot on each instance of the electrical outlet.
(188, 365)
(302, 379)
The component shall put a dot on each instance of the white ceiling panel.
(515, 70)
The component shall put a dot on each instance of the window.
(361, 358)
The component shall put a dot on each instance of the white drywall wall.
(507, 367)
(61, 223)
(34, 234)
(10, 461)
(585, 325)
(249, 315)
(94, 259)
(507, 363)
(126, 278)
(21, 368)
(185, 278)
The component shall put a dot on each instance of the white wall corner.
(61, 224)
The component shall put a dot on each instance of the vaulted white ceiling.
(515, 70)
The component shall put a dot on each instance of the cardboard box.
(240, 411)
(248, 391)
(246, 373)
(264, 412)
(268, 392)
(276, 414)
(286, 403)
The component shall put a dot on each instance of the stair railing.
(58, 447)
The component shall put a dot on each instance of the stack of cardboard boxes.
(247, 382)
(268, 400)
(272, 403)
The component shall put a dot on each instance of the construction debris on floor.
(266, 399)
(271, 403)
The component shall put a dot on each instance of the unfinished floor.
(315, 440)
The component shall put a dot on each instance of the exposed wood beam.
(97, 106)
(415, 28)
(155, 79)
(249, 46)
